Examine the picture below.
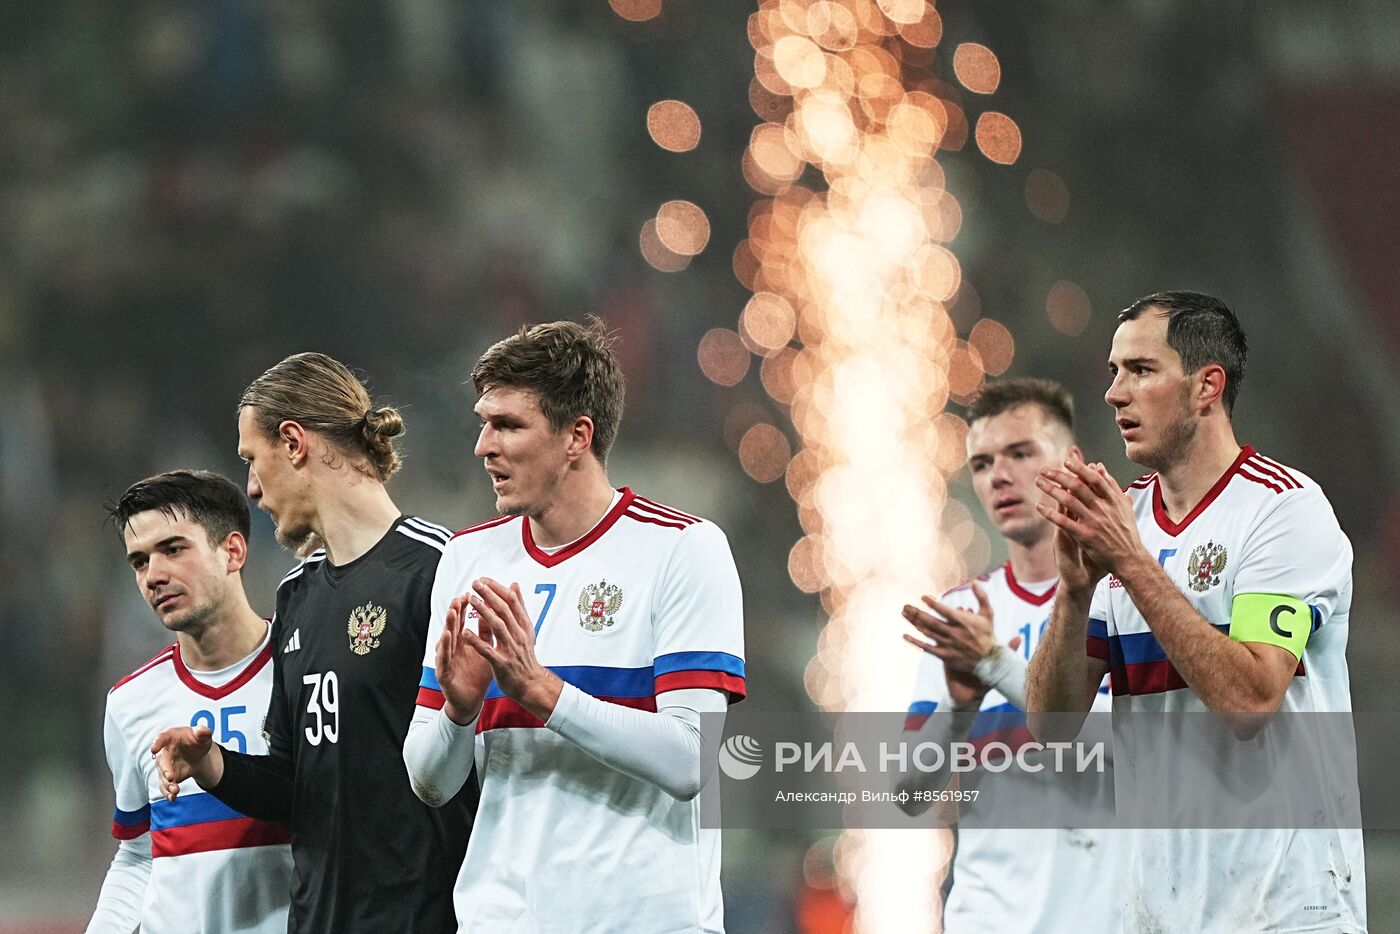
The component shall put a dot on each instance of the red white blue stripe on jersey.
(721, 671)
(629, 687)
(201, 823)
(1004, 723)
(918, 715)
(1137, 663)
(128, 825)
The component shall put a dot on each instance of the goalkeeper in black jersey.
(348, 635)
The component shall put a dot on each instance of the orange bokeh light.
(965, 372)
(833, 26)
(799, 61)
(805, 565)
(768, 322)
(657, 253)
(636, 10)
(994, 343)
(740, 419)
(903, 11)
(673, 125)
(1047, 196)
(977, 67)
(998, 137)
(775, 150)
(925, 33)
(1068, 308)
(745, 265)
(771, 107)
(723, 357)
(682, 227)
(776, 373)
(764, 452)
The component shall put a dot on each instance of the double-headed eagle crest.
(597, 604)
(1206, 564)
(366, 625)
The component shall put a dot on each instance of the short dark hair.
(569, 366)
(215, 502)
(1004, 395)
(1202, 330)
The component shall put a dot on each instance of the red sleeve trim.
(129, 832)
(732, 685)
(427, 697)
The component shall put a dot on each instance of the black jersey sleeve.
(261, 786)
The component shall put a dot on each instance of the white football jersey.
(213, 870)
(1017, 880)
(646, 602)
(1262, 528)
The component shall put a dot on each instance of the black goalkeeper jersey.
(348, 653)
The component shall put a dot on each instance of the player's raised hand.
(187, 752)
(962, 638)
(511, 653)
(462, 672)
(1086, 503)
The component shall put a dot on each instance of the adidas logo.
(294, 642)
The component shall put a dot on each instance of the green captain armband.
(1273, 618)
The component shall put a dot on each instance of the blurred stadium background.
(192, 190)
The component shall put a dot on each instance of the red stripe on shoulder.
(1269, 469)
(666, 512)
(1141, 482)
(164, 655)
(1287, 472)
(499, 520)
(1255, 478)
(654, 520)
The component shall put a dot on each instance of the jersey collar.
(218, 693)
(1034, 599)
(608, 521)
(1159, 508)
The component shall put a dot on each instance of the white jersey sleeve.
(1300, 551)
(437, 752)
(441, 597)
(132, 816)
(699, 617)
(123, 894)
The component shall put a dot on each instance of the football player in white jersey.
(980, 637)
(577, 640)
(194, 865)
(1219, 582)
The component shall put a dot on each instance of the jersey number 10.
(323, 705)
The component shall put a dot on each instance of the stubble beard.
(296, 540)
(1175, 446)
(194, 621)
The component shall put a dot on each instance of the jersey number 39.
(323, 706)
